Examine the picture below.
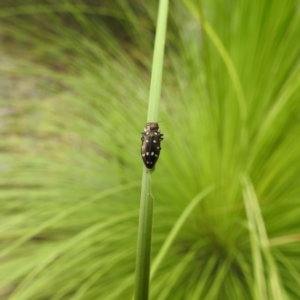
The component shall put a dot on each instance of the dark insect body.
(151, 138)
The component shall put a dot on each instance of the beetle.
(151, 138)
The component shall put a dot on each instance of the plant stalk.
(143, 257)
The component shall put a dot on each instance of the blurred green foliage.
(70, 165)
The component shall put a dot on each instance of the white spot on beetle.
(156, 155)
(143, 154)
(154, 141)
(147, 153)
(152, 153)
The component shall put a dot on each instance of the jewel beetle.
(151, 138)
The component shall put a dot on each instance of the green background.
(74, 90)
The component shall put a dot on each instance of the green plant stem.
(146, 209)
(158, 58)
(144, 240)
